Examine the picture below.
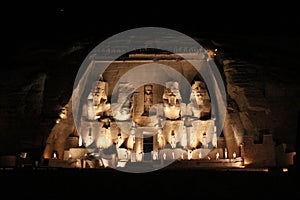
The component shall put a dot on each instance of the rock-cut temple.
(157, 124)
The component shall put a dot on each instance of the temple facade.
(153, 124)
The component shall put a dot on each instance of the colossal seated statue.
(172, 106)
(97, 101)
(122, 109)
(199, 100)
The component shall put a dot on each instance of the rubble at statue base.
(151, 125)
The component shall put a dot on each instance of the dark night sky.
(43, 23)
(57, 19)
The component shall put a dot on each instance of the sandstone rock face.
(22, 103)
(261, 86)
(246, 87)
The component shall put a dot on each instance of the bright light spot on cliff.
(234, 155)
(23, 155)
(54, 155)
(247, 161)
(80, 141)
(212, 53)
(285, 169)
(63, 113)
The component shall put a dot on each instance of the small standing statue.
(148, 99)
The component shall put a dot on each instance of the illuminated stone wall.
(261, 154)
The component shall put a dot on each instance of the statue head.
(172, 99)
(148, 89)
(100, 93)
(172, 88)
(197, 95)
